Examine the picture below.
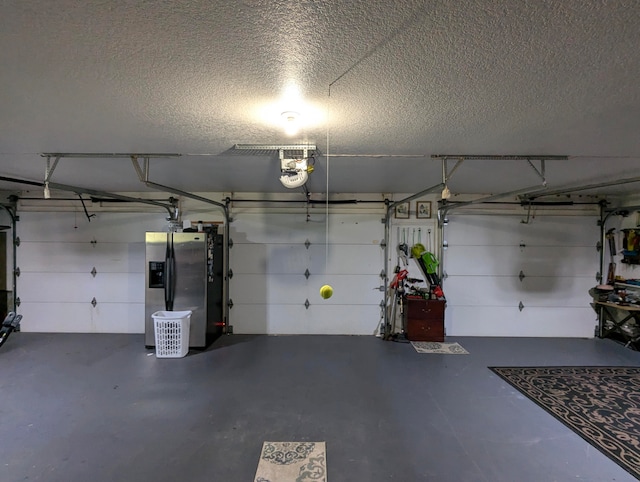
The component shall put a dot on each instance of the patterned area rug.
(437, 347)
(292, 462)
(601, 404)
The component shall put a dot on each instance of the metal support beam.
(479, 157)
(108, 155)
(49, 169)
(171, 209)
(141, 171)
(447, 175)
(531, 189)
(47, 175)
(540, 173)
(13, 214)
(570, 189)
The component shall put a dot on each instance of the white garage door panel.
(127, 227)
(254, 288)
(294, 229)
(83, 318)
(296, 259)
(295, 289)
(477, 230)
(80, 287)
(346, 259)
(60, 257)
(484, 258)
(535, 321)
(292, 319)
(269, 258)
(356, 229)
(104, 227)
(510, 291)
(510, 260)
(275, 228)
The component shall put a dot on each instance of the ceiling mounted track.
(285, 151)
(274, 147)
(475, 157)
(170, 207)
(107, 155)
(586, 187)
(460, 158)
(88, 155)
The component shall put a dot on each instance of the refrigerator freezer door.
(155, 282)
(190, 283)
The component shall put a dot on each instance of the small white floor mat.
(437, 347)
(292, 462)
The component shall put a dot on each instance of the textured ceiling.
(391, 82)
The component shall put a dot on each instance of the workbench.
(618, 315)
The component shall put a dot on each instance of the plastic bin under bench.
(424, 319)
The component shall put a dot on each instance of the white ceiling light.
(291, 122)
(291, 112)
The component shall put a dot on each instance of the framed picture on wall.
(423, 209)
(402, 211)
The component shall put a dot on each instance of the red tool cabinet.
(424, 319)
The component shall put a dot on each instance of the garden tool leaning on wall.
(429, 266)
(10, 323)
(403, 249)
(427, 262)
(611, 272)
(397, 286)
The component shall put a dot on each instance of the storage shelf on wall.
(631, 246)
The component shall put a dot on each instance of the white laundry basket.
(171, 333)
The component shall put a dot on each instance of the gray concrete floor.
(101, 408)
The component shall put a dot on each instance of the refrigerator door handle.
(170, 274)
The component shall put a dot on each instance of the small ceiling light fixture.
(291, 122)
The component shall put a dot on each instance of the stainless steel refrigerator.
(184, 271)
